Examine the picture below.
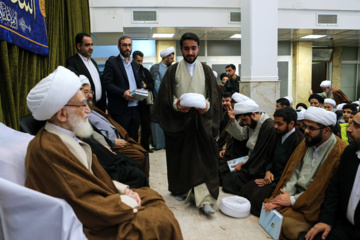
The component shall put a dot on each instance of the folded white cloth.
(193, 100)
(320, 115)
(237, 207)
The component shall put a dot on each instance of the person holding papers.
(120, 77)
(259, 132)
(299, 194)
(288, 138)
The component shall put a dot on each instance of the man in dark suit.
(120, 77)
(82, 64)
(340, 213)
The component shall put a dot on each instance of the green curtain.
(20, 69)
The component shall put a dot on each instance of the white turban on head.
(325, 83)
(290, 99)
(330, 101)
(320, 115)
(340, 106)
(248, 106)
(52, 93)
(84, 80)
(238, 97)
(300, 114)
(167, 52)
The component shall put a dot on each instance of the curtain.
(21, 70)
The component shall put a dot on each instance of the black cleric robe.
(191, 150)
(255, 167)
(282, 152)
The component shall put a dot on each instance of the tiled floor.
(196, 225)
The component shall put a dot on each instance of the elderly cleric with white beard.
(59, 164)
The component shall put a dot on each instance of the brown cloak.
(52, 169)
(132, 148)
(339, 96)
(306, 210)
(191, 150)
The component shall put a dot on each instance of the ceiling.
(334, 38)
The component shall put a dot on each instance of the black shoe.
(150, 151)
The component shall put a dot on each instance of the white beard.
(81, 127)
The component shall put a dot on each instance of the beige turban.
(330, 101)
(52, 93)
(320, 115)
(325, 83)
(167, 52)
(248, 106)
(84, 80)
(300, 114)
(238, 97)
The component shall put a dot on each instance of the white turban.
(340, 106)
(235, 206)
(330, 101)
(290, 99)
(193, 100)
(300, 114)
(167, 52)
(248, 106)
(52, 93)
(84, 80)
(320, 115)
(325, 83)
(238, 97)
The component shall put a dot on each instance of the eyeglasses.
(311, 128)
(126, 45)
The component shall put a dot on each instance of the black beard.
(315, 140)
(186, 60)
(253, 124)
(127, 54)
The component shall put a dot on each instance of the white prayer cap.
(300, 113)
(290, 99)
(320, 115)
(167, 52)
(84, 80)
(215, 74)
(248, 106)
(340, 106)
(52, 93)
(238, 97)
(325, 83)
(193, 100)
(235, 206)
(330, 101)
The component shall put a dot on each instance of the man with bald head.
(60, 164)
(300, 191)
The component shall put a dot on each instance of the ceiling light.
(163, 35)
(313, 36)
(237, 36)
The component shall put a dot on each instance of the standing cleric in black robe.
(191, 150)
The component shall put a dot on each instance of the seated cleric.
(60, 164)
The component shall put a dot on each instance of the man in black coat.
(120, 77)
(82, 64)
(340, 213)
